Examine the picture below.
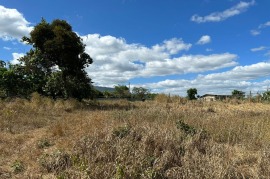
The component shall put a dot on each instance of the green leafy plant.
(120, 171)
(150, 173)
(17, 166)
(187, 129)
(43, 143)
(80, 163)
(121, 132)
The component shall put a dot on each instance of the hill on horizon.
(102, 88)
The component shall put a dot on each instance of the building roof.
(215, 95)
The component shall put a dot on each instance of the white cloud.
(16, 56)
(105, 46)
(116, 61)
(239, 78)
(209, 50)
(220, 16)
(267, 54)
(238, 73)
(255, 32)
(267, 24)
(12, 24)
(189, 64)
(179, 87)
(204, 40)
(172, 46)
(260, 28)
(261, 48)
(7, 48)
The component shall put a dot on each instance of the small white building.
(214, 97)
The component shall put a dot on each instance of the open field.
(164, 138)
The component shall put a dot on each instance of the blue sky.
(166, 46)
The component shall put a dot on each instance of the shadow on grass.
(109, 105)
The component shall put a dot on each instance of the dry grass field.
(164, 138)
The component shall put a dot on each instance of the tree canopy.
(122, 91)
(191, 93)
(238, 94)
(266, 96)
(57, 44)
(2, 64)
(140, 93)
(55, 65)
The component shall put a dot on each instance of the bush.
(57, 161)
(188, 130)
(17, 166)
(121, 132)
(43, 143)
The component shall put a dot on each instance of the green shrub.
(187, 129)
(43, 143)
(121, 132)
(17, 166)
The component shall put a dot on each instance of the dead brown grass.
(42, 138)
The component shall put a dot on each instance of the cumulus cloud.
(204, 40)
(239, 78)
(179, 87)
(221, 16)
(12, 24)
(238, 73)
(108, 46)
(189, 64)
(116, 61)
(172, 46)
(261, 48)
(16, 56)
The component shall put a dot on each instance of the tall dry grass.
(166, 138)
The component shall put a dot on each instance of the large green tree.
(191, 93)
(266, 96)
(11, 83)
(238, 94)
(2, 64)
(140, 93)
(121, 91)
(2, 70)
(56, 63)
